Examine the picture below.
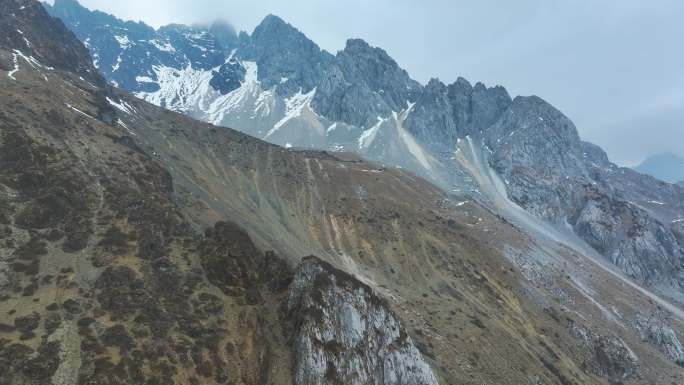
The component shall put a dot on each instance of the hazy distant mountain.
(667, 167)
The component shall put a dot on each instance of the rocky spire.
(285, 57)
(431, 119)
(365, 83)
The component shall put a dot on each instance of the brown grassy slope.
(113, 254)
(102, 280)
(442, 263)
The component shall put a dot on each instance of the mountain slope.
(99, 260)
(550, 172)
(277, 85)
(117, 265)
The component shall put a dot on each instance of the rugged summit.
(50, 43)
(460, 109)
(140, 246)
(286, 59)
(127, 53)
(364, 84)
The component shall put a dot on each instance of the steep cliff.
(344, 334)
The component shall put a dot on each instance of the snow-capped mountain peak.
(278, 85)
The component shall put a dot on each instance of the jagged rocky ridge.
(278, 85)
(347, 334)
(117, 266)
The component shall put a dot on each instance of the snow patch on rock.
(123, 41)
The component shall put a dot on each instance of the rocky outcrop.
(476, 108)
(228, 77)
(345, 334)
(630, 238)
(444, 113)
(610, 356)
(535, 148)
(655, 329)
(431, 120)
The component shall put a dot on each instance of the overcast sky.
(616, 68)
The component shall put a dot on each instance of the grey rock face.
(544, 131)
(344, 334)
(442, 114)
(536, 150)
(229, 77)
(655, 329)
(380, 72)
(346, 101)
(476, 108)
(286, 58)
(431, 120)
(641, 246)
(662, 201)
(460, 94)
(612, 358)
(595, 155)
(486, 105)
(365, 83)
(553, 174)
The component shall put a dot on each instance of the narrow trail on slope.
(470, 154)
